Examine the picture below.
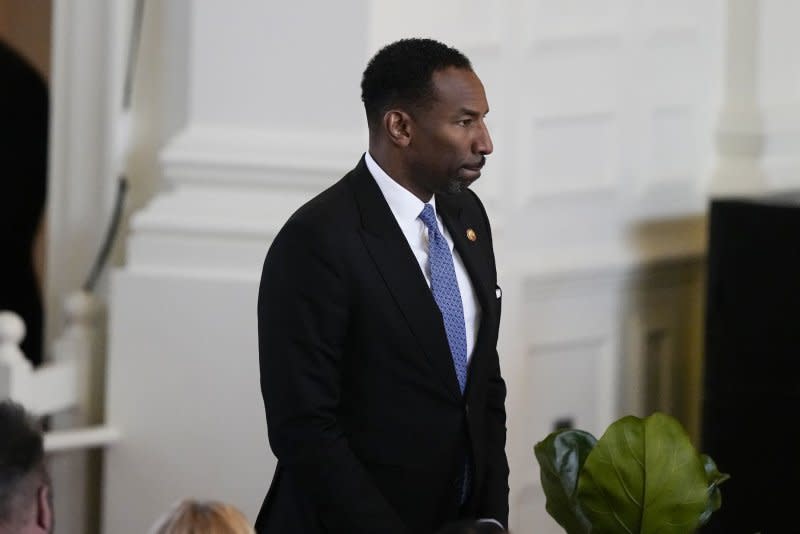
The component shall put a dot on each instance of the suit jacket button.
(466, 409)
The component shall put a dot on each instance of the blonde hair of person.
(203, 517)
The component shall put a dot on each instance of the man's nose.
(483, 144)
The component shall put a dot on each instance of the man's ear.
(44, 508)
(398, 125)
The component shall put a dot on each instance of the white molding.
(232, 189)
(209, 231)
(574, 38)
(81, 439)
(638, 247)
(465, 24)
(238, 156)
(661, 197)
(549, 187)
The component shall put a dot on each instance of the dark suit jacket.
(363, 407)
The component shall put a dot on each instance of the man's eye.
(465, 122)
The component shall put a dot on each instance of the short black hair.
(21, 457)
(401, 72)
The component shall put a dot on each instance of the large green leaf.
(561, 456)
(643, 477)
(713, 478)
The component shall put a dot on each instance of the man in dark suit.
(378, 316)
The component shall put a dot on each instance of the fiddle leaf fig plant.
(561, 457)
(714, 478)
(641, 477)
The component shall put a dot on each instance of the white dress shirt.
(406, 208)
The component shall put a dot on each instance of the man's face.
(450, 139)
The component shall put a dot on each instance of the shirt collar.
(405, 206)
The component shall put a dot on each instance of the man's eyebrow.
(473, 113)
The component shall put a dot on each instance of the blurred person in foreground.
(26, 503)
(23, 160)
(196, 517)
(378, 316)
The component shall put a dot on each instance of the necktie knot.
(428, 216)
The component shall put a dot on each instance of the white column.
(89, 45)
(269, 97)
(758, 139)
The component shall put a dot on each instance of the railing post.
(16, 372)
(77, 344)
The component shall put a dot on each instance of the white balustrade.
(68, 381)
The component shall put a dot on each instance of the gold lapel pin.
(471, 235)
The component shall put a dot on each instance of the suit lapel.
(472, 252)
(399, 268)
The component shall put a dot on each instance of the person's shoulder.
(334, 210)
(333, 204)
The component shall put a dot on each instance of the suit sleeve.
(302, 325)
(495, 503)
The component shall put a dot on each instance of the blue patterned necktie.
(444, 286)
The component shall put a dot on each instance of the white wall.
(611, 121)
(260, 135)
(603, 115)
